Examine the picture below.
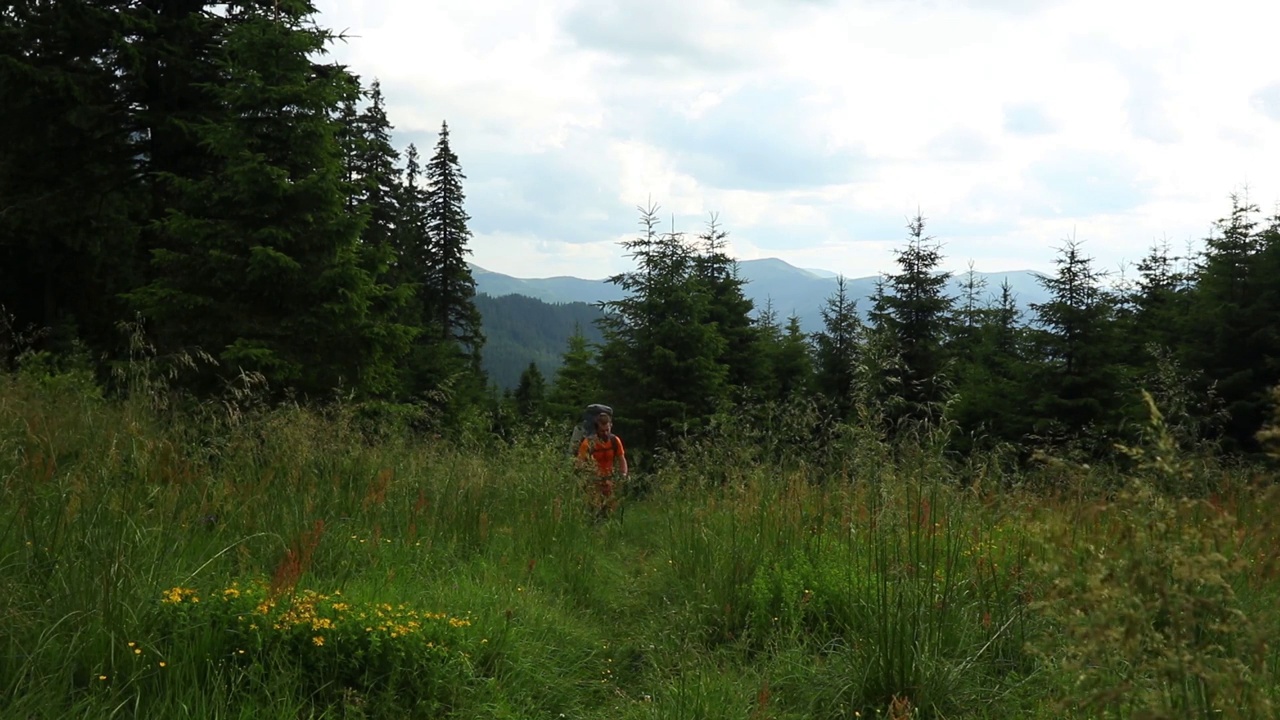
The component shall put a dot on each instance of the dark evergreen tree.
(769, 343)
(411, 259)
(970, 309)
(577, 382)
(993, 391)
(350, 143)
(729, 310)
(965, 343)
(409, 238)
(785, 357)
(430, 243)
(257, 260)
(660, 356)
(1234, 308)
(792, 366)
(1161, 300)
(530, 393)
(449, 285)
(181, 58)
(70, 204)
(1154, 331)
(837, 349)
(437, 366)
(374, 194)
(1078, 372)
(912, 312)
(375, 180)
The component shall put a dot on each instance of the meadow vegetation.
(238, 561)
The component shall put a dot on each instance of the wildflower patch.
(342, 648)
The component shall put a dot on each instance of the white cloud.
(1267, 101)
(816, 127)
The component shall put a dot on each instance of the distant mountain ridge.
(790, 289)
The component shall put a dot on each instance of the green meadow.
(227, 562)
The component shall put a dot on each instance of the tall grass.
(244, 562)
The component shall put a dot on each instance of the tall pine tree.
(1234, 308)
(661, 356)
(837, 351)
(257, 260)
(992, 392)
(70, 203)
(530, 394)
(913, 314)
(577, 381)
(1077, 365)
(729, 309)
(448, 282)
(374, 195)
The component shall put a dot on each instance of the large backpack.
(587, 426)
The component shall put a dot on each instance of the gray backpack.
(587, 426)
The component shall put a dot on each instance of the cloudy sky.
(815, 128)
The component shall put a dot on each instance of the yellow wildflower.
(318, 640)
(175, 595)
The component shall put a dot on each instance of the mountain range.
(789, 288)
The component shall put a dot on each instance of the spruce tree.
(793, 364)
(729, 310)
(912, 315)
(837, 351)
(370, 161)
(769, 342)
(1156, 336)
(1077, 364)
(992, 392)
(409, 237)
(257, 260)
(1234, 310)
(70, 203)
(1161, 299)
(374, 194)
(577, 381)
(970, 308)
(965, 342)
(448, 282)
(432, 364)
(530, 394)
(661, 356)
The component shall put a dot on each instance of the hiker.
(606, 450)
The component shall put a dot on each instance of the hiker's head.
(604, 423)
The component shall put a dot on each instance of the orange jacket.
(605, 452)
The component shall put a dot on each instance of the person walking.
(604, 450)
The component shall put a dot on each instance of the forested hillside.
(520, 330)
